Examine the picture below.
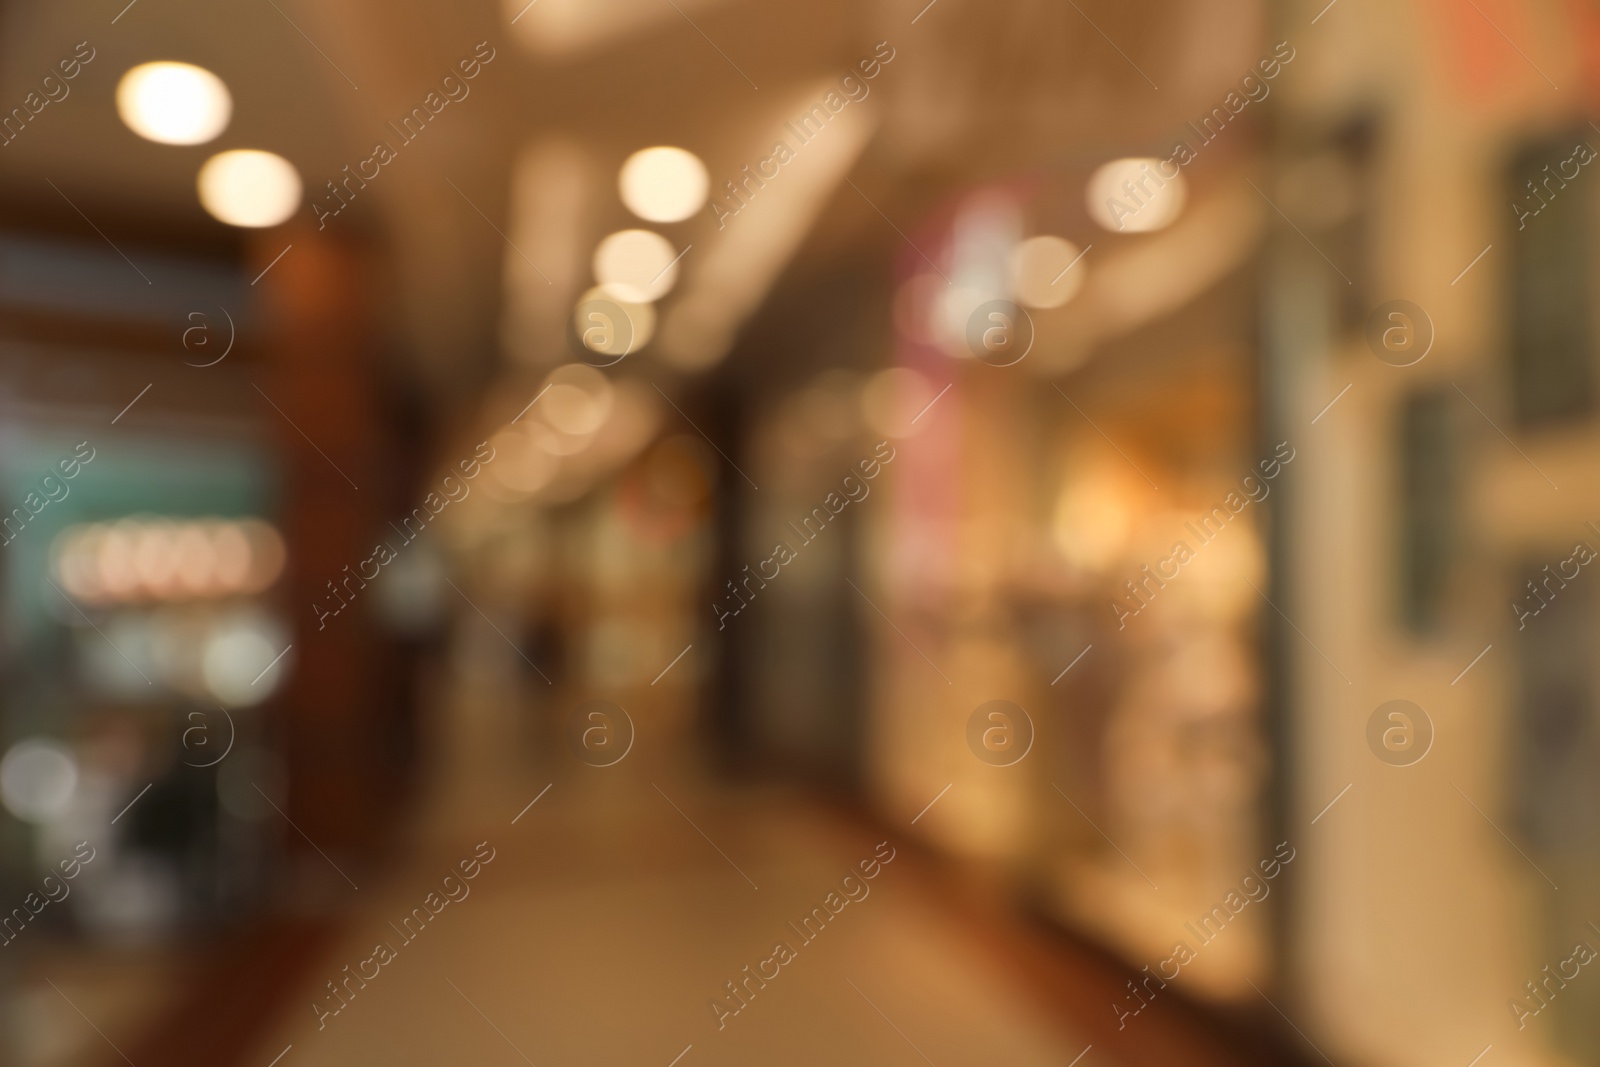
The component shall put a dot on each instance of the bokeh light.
(174, 103)
(636, 265)
(37, 779)
(521, 465)
(608, 326)
(1094, 517)
(1136, 195)
(142, 559)
(578, 400)
(250, 188)
(241, 662)
(663, 184)
(1046, 271)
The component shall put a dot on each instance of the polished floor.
(535, 909)
(616, 908)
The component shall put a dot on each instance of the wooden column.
(319, 390)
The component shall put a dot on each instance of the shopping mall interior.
(694, 532)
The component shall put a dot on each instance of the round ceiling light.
(663, 184)
(1133, 196)
(247, 187)
(636, 266)
(579, 399)
(174, 103)
(1045, 271)
(612, 328)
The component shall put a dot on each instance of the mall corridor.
(621, 900)
(686, 532)
(618, 904)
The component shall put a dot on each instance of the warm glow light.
(560, 444)
(75, 560)
(569, 409)
(155, 559)
(954, 312)
(142, 559)
(195, 560)
(636, 265)
(267, 554)
(610, 327)
(1136, 195)
(174, 103)
(1093, 520)
(578, 400)
(520, 464)
(663, 184)
(1046, 271)
(232, 550)
(115, 558)
(246, 187)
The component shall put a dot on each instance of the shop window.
(1552, 282)
(1554, 746)
(1350, 239)
(1326, 189)
(1427, 507)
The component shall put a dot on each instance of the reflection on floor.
(544, 911)
(617, 907)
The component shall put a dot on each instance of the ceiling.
(975, 93)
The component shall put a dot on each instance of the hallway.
(620, 901)
(873, 532)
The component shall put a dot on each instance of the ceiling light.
(174, 103)
(520, 465)
(636, 266)
(1135, 196)
(1046, 272)
(663, 184)
(577, 400)
(246, 187)
(611, 328)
